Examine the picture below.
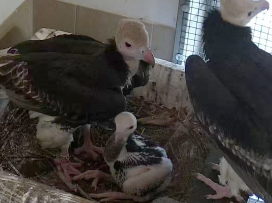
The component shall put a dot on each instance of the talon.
(88, 147)
(221, 191)
(208, 197)
(95, 183)
(68, 168)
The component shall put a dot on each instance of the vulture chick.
(232, 94)
(75, 87)
(138, 166)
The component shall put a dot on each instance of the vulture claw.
(92, 174)
(68, 168)
(221, 191)
(88, 146)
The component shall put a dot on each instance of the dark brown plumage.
(70, 85)
(75, 78)
(231, 96)
(81, 44)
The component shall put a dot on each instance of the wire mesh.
(192, 14)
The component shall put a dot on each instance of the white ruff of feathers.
(49, 134)
(229, 177)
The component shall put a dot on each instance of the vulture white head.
(126, 124)
(240, 12)
(132, 41)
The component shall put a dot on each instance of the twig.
(53, 155)
(143, 131)
(64, 180)
(5, 141)
(173, 152)
(24, 157)
(173, 135)
(15, 169)
(84, 194)
(103, 166)
(40, 178)
(45, 156)
(140, 108)
(78, 160)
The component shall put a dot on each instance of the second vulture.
(232, 94)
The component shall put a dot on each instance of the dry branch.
(14, 189)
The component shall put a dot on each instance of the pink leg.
(111, 196)
(215, 167)
(95, 174)
(88, 146)
(67, 167)
(221, 191)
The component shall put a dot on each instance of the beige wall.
(157, 11)
(7, 7)
(97, 24)
(19, 25)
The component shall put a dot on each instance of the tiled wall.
(97, 24)
(18, 26)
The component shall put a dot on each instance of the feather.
(140, 167)
(80, 44)
(51, 135)
(238, 130)
(230, 178)
(77, 77)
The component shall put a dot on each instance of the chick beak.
(117, 137)
(265, 5)
(148, 57)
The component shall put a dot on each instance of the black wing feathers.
(76, 44)
(232, 119)
(86, 84)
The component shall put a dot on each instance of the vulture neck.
(133, 65)
(221, 37)
(232, 18)
(112, 150)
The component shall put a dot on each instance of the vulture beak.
(148, 57)
(265, 5)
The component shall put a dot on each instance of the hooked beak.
(148, 57)
(265, 5)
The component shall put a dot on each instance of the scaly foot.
(68, 168)
(96, 175)
(215, 167)
(221, 191)
(88, 147)
(91, 150)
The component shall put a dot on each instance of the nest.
(175, 130)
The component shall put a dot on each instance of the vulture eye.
(128, 45)
(249, 14)
(130, 127)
